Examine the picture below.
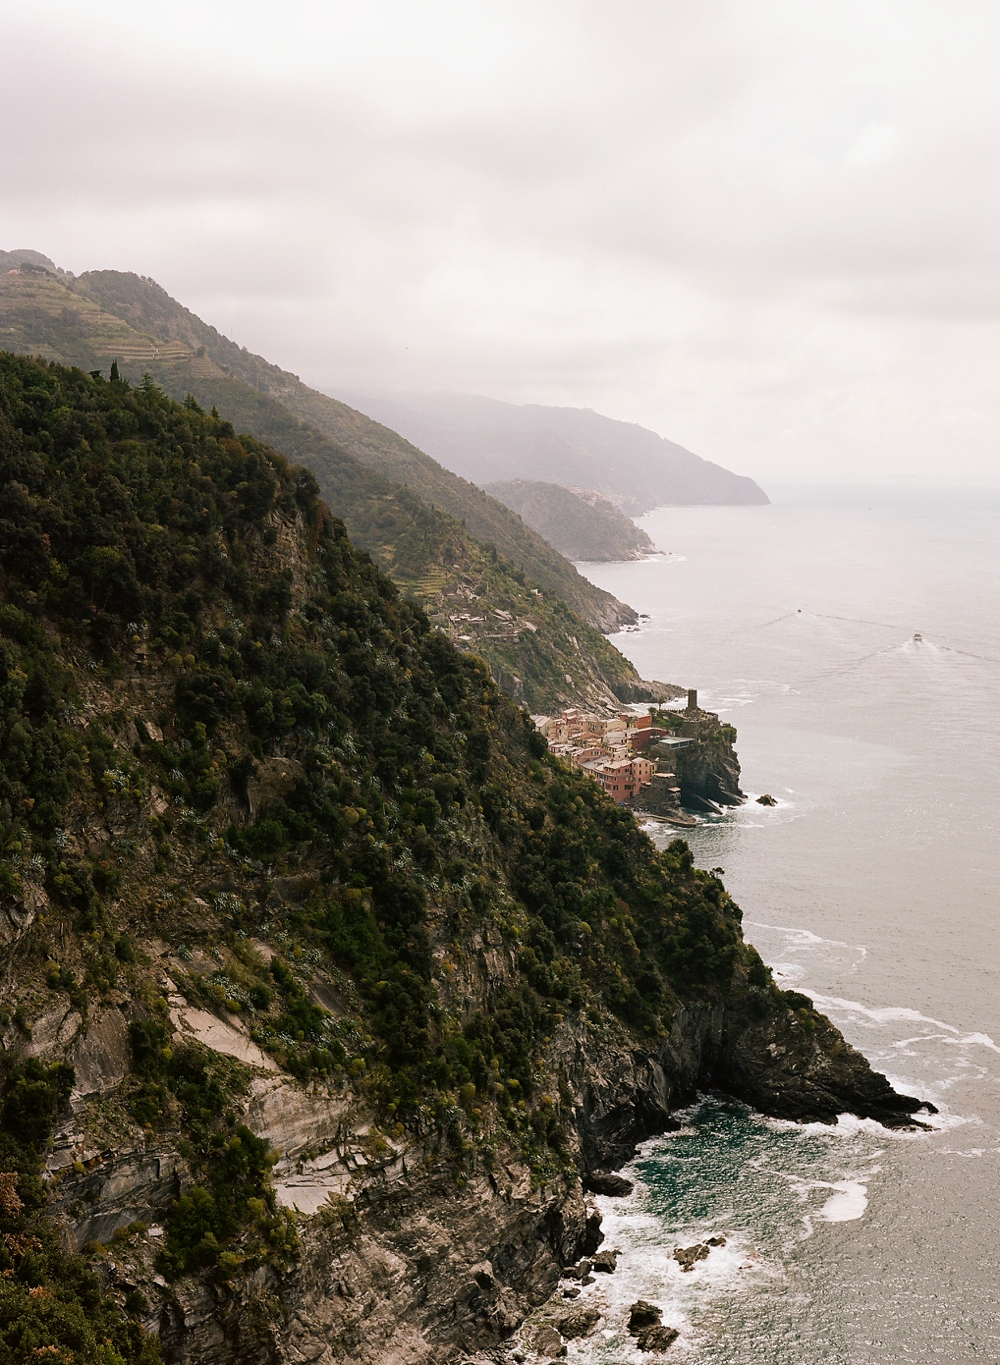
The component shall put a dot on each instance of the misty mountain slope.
(148, 308)
(577, 521)
(487, 441)
(15, 260)
(537, 648)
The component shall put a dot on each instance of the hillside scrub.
(193, 655)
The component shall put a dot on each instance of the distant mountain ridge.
(489, 441)
(579, 522)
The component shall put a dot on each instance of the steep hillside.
(299, 915)
(488, 441)
(21, 259)
(577, 521)
(545, 655)
(148, 308)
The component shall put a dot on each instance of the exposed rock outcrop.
(645, 1325)
(615, 1186)
(707, 768)
(405, 1257)
(688, 1257)
(696, 768)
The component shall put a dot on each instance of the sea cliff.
(324, 985)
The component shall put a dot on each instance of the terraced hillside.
(150, 311)
(538, 647)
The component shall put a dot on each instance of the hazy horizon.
(766, 232)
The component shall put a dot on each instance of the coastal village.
(632, 755)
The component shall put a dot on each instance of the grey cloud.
(726, 220)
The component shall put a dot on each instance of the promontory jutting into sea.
(479, 882)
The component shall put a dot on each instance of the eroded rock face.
(615, 1186)
(271, 779)
(18, 913)
(794, 1064)
(688, 1257)
(643, 1315)
(53, 1031)
(645, 1325)
(657, 1338)
(220, 1036)
(137, 1183)
(548, 1343)
(403, 1284)
(102, 1058)
(579, 1324)
(399, 1261)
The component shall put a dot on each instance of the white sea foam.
(847, 1203)
(647, 1269)
(847, 1126)
(805, 939)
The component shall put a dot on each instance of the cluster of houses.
(611, 749)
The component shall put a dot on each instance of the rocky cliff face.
(323, 985)
(700, 752)
(413, 1250)
(696, 768)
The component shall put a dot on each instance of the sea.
(853, 638)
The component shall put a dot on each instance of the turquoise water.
(874, 886)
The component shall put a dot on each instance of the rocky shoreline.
(417, 1260)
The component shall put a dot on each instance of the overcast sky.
(767, 230)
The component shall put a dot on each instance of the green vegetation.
(195, 654)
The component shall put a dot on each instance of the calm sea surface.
(873, 886)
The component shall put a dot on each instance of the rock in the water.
(657, 1338)
(571, 1293)
(715, 1241)
(580, 1271)
(614, 1185)
(687, 1257)
(548, 1343)
(579, 1324)
(766, 800)
(606, 1261)
(643, 1315)
(592, 1236)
